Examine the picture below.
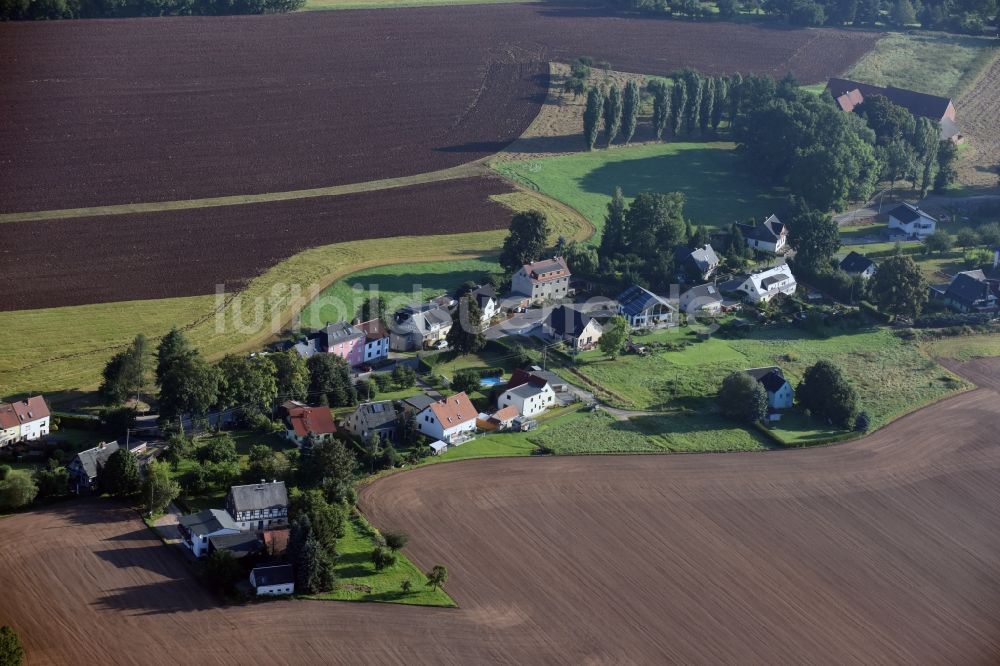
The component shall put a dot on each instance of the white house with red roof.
(305, 423)
(451, 420)
(24, 420)
(527, 393)
(543, 280)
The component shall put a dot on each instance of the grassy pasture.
(939, 64)
(891, 375)
(964, 348)
(717, 189)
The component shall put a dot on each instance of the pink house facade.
(346, 341)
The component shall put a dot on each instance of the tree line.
(963, 16)
(26, 10)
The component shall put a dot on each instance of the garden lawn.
(357, 579)
(797, 429)
(400, 285)
(891, 375)
(702, 171)
(939, 64)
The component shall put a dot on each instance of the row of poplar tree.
(690, 104)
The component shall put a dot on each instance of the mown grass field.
(357, 579)
(600, 432)
(891, 375)
(61, 351)
(716, 187)
(935, 63)
(965, 347)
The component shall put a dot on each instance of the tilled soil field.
(884, 550)
(103, 112)
(188, 252)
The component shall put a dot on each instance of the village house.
(771, 235)
(762, 287)
(346, 341)
(701, 261)
(85, 467)
(10, 426)
(912, 221)
(849, 94)
(306, 424)
(540, 281)
(968, 291)
(644, 309)
(415, 404)
(780, 394)
(419, 326)
(197, 528)
(580, 331)
(489, 304)
(704, 298)
(273, 580)
(529, 394)
(373, 418)
(451, 420)
(858, 264)
(376, 345)
(258, 505)
(24, 420)
(239, 545)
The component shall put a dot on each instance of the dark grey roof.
(240, 545)
(552, 378)
(484, 294)
(772, 378)
(342, 331)
(419, 402)
(565, 320)
(91, 460)
(376, 415)
(281, 574)
(635, 300)
(525, 391)
(258, 496)
(310, 346)
(704, 292)
(704, 258)
(421, 319)
(917, 103)
(907, 213)
(768, 231)
(208, 521)
(773, 279)
(856, 263)
(969, 287)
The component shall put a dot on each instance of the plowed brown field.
(883, 550)
(188, 252)
(105, 112)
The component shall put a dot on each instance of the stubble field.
(883, 550)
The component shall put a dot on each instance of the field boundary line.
(467, 170)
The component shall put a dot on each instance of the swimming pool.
(489, 382)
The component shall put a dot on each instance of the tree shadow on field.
(94, 511)
(717, 190)
(172, 596)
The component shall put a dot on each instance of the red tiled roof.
(524, 377)
(32, 409)
(373, 329)
(311, 420)
(8, 418)
(454, 409)
(508, 413)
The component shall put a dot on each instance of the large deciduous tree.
(126, 373)
(247, 381)
(526, 240)
(815, 237)
(742, 398)
(291, 375)
(614, 336)
(330, 379)
(613, 235)
(158, 488)
(678, 105)
(695, 86)
(707, 105)
(119, 476)
(466, 332)
(898, 286)
(826, 393)
(661, 106)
